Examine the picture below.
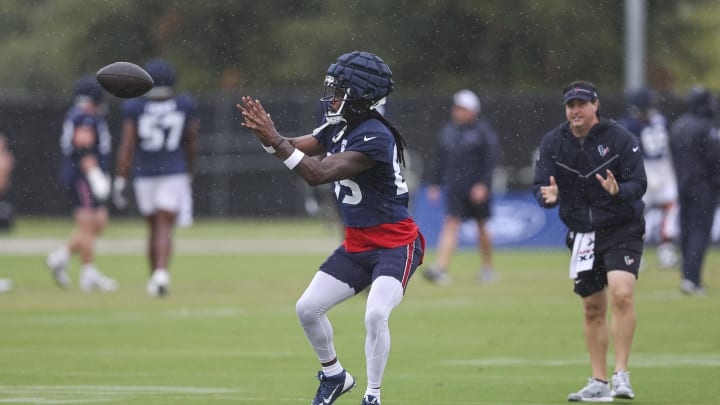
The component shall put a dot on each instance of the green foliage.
(526, 45)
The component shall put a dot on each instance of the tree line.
(431, 45)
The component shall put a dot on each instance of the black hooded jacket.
(695, 147)
(584, 205)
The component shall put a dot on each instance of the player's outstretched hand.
(259, 121)
(609, 183)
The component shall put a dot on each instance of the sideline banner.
(516, 221)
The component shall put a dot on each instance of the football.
(124, 79)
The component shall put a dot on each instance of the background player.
(695, 143)
(7, 164)
(85, 144)
(159, 137)
(383, 245)
(645, 121)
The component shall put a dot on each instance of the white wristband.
(99, 183)
(294, 159)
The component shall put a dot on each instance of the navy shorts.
(360, 269)
(618, 248)
(459, 205)
(80, 195)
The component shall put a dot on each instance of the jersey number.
(654, 140)
(161, 131)
(353, 197)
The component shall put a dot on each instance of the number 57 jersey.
(161, 130)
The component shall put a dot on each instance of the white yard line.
(89, 394)
(182, 246)
(638, 361)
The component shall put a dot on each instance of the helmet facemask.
(334, 101)
(355, 85)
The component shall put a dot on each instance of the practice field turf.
(228, 333)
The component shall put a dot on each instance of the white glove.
(118, 196)
(99, 183)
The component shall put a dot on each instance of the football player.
(695, 145)
(661, 215)
(159, 136)
(382, 246)
(85, 146)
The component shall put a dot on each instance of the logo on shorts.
(603, 150)
(629, 260)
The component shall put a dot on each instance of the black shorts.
(459, 205)
(617, 248)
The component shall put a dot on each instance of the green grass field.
(228, 333)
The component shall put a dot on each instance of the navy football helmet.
(642, 98)
(359, 82)
(700, 101)
(164, 77)
(87, 87)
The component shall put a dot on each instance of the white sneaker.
(57, 261)
(436, 276)
(689, 288)
(5, 285)
(621, 385)
(93, 280)
(487, 275)
(159, 283)
(594, 391)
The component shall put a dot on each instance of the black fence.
(235, 177)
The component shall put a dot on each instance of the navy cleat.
(370, 400)
(332, 387)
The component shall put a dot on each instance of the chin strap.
(340, 134)
(378, 103)
(326, 124)
(320, 128)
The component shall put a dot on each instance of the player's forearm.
(122, 166)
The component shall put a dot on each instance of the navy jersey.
(75, 118)
(695, 143)
(375, 196)
(161, 127)
(653, 135)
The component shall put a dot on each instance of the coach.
(593, 169)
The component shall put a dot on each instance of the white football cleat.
(57, 261)
(159, 284)
(93, 280)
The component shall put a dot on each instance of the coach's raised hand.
(550, 193)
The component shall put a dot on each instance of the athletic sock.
(334, 369)
(89, 268)
(373, 391)
(61, 254)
